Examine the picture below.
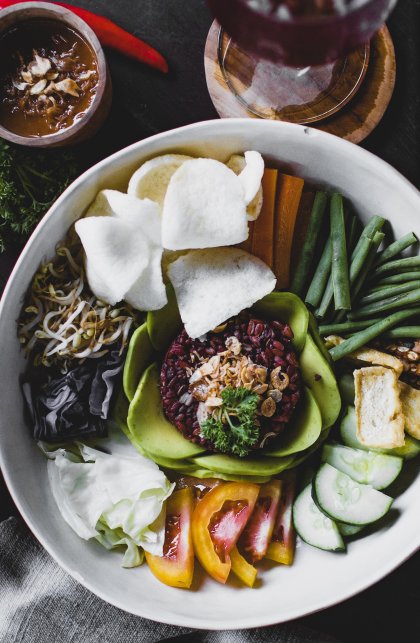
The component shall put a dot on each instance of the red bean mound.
(267, 343)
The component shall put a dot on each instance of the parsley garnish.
(234, 429)
(30, 182)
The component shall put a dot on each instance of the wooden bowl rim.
(61, 14)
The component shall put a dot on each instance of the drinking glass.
(296, 67)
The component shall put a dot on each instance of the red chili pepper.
(111, 35)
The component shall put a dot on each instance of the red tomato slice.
(218, 521)
(283, 543)
(257, 534)
(176, 566)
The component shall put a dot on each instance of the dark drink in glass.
(298, 32)
(296, 60)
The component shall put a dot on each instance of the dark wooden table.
(146, 102)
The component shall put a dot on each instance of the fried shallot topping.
(232, 369)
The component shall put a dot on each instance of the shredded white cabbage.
(117, 498)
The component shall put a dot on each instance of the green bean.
(328, 294)
(346, 327)
(353, 234)
(395, 248)
(360, 259)
(393, 303)
(383, 295)
(326, 300)
(320, 278)
(398, 279)
(397, 266)
(374, 225)
(309, 246)
(409, 332)
(368, 334)
(355, 268)
(379, 289)
(366, 267)
(339, 266)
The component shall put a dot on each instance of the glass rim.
(309, 20)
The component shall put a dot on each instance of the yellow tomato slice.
(242, 569)
(218, 521)
(176, 566)
(282, 546)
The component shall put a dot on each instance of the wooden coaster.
(353, 122)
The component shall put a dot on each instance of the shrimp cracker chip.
(151, 180)
(237, 164)
(149, 292)
(204, 207)
(121, 236)
(116, 255)
(251, 175)
(213, 285)
(125, 206)
(99, 288)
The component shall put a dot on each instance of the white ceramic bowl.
(317, 579)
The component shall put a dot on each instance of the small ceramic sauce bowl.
(84, 110)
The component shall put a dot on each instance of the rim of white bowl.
(193, 621)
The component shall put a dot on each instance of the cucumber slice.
(410, 449)
(343, 499)
(346, 386)
(313, 526)
(348, 530)
(365, 467)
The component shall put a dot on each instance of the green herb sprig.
(235, 428)
(30, 182)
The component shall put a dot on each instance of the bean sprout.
(62, 320)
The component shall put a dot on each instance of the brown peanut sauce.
(48, 77)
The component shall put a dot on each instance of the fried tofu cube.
(410, 400)
(370, 355)
(379, 417)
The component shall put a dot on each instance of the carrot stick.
(288, 198)
(262, 238)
